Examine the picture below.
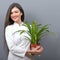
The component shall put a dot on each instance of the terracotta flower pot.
(34, 45)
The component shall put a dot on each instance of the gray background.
(43, 11)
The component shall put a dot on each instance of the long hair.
(9, 21)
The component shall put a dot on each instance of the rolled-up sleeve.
(15, 49)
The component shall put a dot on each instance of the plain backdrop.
(43, 11)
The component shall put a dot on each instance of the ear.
(21, 13)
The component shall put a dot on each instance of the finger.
(38, 47)
(40, 50)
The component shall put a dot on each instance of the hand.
(38, 50)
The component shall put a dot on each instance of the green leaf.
(35, 31)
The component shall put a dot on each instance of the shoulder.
(24, 28)
(9, 27)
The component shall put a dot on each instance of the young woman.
(18, 45)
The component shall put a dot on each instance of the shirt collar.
(18, 24)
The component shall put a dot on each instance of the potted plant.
(35, 31)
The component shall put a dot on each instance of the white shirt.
(17, 44)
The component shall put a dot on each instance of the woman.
(18, 45)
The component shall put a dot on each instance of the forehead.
(15, 9)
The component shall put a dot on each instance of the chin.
(15, 20)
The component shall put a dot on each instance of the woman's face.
(16, 14)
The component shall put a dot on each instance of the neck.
(19, 22)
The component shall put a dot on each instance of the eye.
(16, 11)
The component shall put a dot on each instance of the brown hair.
(8, 20)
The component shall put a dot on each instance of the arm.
(38, 50)
(15, 49)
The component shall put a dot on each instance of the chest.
(17, 37)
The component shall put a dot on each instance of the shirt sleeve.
(16, 49)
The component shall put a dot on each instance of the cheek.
(16, 15)
(20, 14)
(11, 15)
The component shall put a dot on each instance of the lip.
(15, 17)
